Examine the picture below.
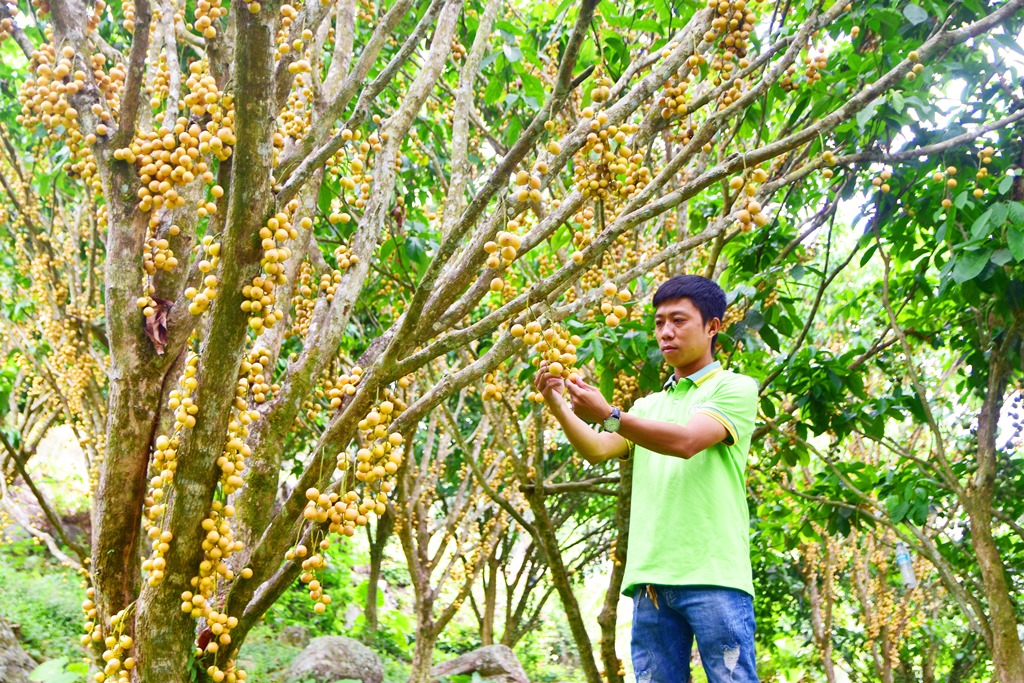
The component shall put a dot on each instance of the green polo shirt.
(689, 524)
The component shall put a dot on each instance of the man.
(688, 563)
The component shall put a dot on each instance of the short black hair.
(705, 294)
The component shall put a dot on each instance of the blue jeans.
(667, 618)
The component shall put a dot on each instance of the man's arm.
(700, 432)
(595, 447)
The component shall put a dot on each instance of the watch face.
(611, 424)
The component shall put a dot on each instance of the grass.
(44, 600)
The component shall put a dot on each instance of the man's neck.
(687, 370)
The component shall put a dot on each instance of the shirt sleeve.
(734, 405)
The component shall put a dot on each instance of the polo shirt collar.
(697, 378)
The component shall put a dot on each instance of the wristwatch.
(613, 421)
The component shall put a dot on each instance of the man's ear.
(714, 327)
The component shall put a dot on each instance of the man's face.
(682, 336)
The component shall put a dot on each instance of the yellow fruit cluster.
(310, 565)
(735, 21)
(303, 302)
(117, 659)
(626, 388)
(673, 98)
(181, 400)
(383, 456)
(555, 345)
(200, 301)
(208, 12)
(950, 180)
(984, 159)
(159, 86)
(162, 467)
(881, 181)
(128, 12)
(255, 373)
(344, 385)
(828, 158)
(492, 390)
(613, 312)
(917, 68)
(45, 101)
(528, 186)
(605, 158)
(158, 254)
(166, 450)
(156, 565)
(167, 160)
(6, 28)
(458, 49)
(505, 250)
(260, 298)
(751, 214)
(814, 65)
(232, 460)
(359, 163)
(345, 258)
(349, 511)
(218, 544)
(602, 88)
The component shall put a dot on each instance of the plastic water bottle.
(905, 565)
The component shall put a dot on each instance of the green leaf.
(980, 227)
(915, 14)
(1015, 240)
(1015, 210)
(1004, 184)
(970, 264)
(508, 27)
(897, 101)
(533, 87)
(512, 53)
(999, 213)
(754, 320)
(769, 337)
(866, 114)
(53, 672)
(494, 90)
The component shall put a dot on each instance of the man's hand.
(587, 402)
(549, 386)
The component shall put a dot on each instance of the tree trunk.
(548, 542)
(423, 653)
(1007, 655)
(490, 598)
(822, 637)
(885, 648)
(385, 524)
(608, 617)
(928, 664)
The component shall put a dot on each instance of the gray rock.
(294, 635)
(330, 658)
(15, 663)
(494, 662)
